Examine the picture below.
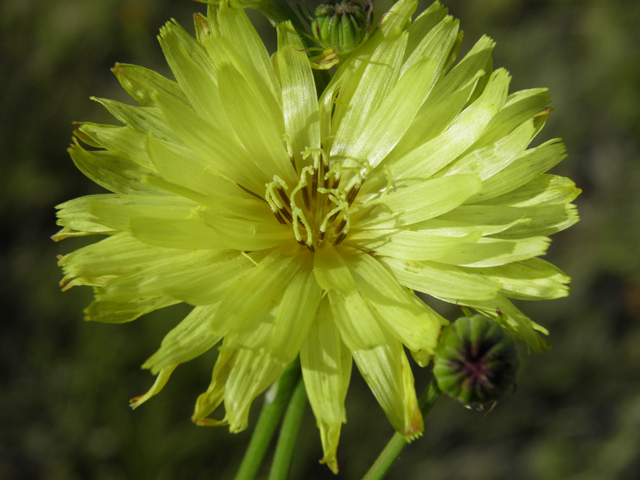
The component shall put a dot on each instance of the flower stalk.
(396, 445)
(268, 422)
(289, 433)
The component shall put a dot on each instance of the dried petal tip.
(161, 381)
(342, 25)
(476, 361)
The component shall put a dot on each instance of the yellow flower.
(302, 227)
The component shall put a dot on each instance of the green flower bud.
(476, 361)
(342, 26)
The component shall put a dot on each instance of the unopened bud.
(342, 26)
(476, 361)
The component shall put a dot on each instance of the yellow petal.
(252, 373)
(326, 369)
(161, 381)
(386, 370)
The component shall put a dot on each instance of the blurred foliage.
(65, 383)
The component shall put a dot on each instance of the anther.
(305, 197)
(279, 217)
(339, 240)
(340, 226)
(353, 193)
(285, 213)
(314, 184)
(284, 197)
(251, 193)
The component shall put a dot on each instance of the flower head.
(298, 226)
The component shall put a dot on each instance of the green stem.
(267, 423)
(289, 433)
(390, 454)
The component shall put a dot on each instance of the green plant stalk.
(289, 433)
(268, 422)
(390, 454)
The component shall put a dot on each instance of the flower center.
(318, 206)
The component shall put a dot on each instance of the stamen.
(305, 197)
(324, 167)
(210, 170)
(278, 204)
(314, 184)
(251, 193)
(334, 216)
(302, 184)
(345, 225)
(339, 240)
(353, 193)
(283, 196)
(275, 207)
(331, 216)
(301, 220)
(335, 197)
(319, 153)
(318, 161)
(279, 217)
(315, 220)
(335, 171)
(286, 214)
(340, 226)
(270, 196)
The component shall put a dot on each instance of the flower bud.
(476, 361)
(343, 25)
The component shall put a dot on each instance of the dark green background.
(65, 383)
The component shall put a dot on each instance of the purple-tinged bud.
(476, 361)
